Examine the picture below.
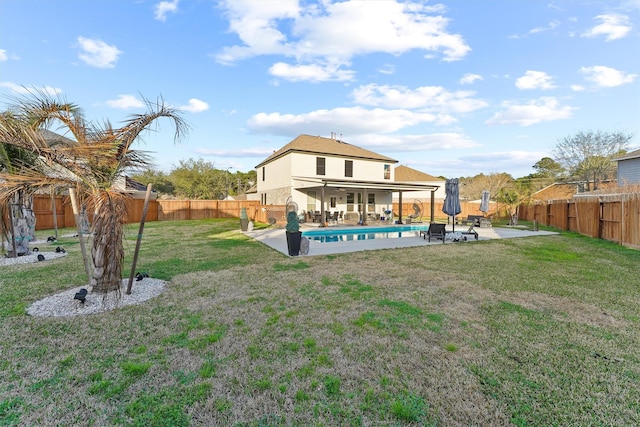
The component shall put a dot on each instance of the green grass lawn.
(534, 331)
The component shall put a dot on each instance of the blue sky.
(451, 88)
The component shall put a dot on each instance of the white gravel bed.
(64, 305)
(31, 257)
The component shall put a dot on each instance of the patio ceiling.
(339, 184)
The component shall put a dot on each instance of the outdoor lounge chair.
(437, 231)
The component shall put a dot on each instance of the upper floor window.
(348, 168)
(263, 173)
(387, 171)
(320, 166)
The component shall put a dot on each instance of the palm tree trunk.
(108, 250)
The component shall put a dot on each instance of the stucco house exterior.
(330, 175)
(629, 168)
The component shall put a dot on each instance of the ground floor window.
(333, 201)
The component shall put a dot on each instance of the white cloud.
(23, 90)
(333, 33)
(434, 99)
(97, 53)
(469, 78)
(498, 162)
(313, 72)
(543, 109)
(606, 76)
(535, 80)
(577, 88)
(613, 27)
(125, 101)
(349, 121)
(240, 152)
(165, 7)
(550, 26)
(412, 143)
(3, 55)
(195, 106)
(387, 69)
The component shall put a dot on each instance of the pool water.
(327, 235)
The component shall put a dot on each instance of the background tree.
(160, 181)
(510, 197)
(546, 167)
(547, 171)
(197, 179)
(91, 163)
(471, 188)
(587, 155)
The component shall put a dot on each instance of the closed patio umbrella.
(452, 199)
(484, 202)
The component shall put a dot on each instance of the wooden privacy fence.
(171, 210)
(613, 217)
(468, 208)
(158, 210)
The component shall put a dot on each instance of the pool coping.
(276, 239)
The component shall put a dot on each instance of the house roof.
(556, 192)
(569, 190)
(53, 138)
(325, 146)
(632, 155)
(407, 174)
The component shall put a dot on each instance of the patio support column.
(400, 207)
(323, 220)
(365, 198)
(433, 202)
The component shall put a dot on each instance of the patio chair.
(437, 231)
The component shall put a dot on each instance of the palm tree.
(91, 164)
(16, 217)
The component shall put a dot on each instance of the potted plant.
(244, 219)
(294, 235)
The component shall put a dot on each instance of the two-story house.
(329, 175)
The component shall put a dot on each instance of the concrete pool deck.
(276, 239)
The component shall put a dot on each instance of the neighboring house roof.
(407, 174)
(325, 146)
(132, 184)
(569, 190)
(556, 192)
(53, 138)
(632, 155)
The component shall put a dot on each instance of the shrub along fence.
(168, 210)
(611, 217)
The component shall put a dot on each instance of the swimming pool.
(327, 235)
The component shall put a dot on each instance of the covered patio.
(366, 199)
